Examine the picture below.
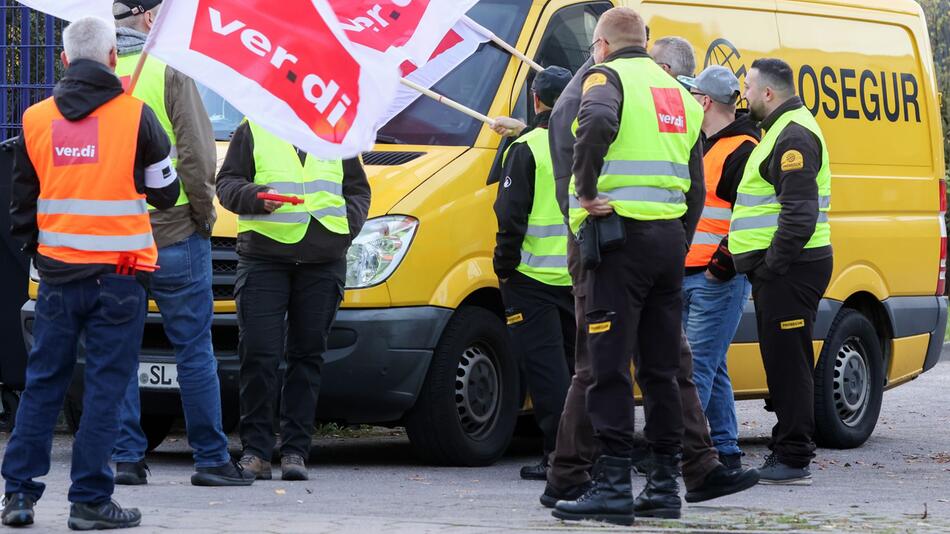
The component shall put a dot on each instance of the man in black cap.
(531, 264)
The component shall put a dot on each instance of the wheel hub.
(476, 390)
(852, 386)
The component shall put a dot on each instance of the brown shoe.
(259, 467)
(293, 467)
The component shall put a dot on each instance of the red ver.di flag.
(286, 65)
(412, 29)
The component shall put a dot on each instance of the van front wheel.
(849, 383)
(467, 410)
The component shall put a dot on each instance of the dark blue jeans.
(711, 314)
(182, 290)
(109, 312)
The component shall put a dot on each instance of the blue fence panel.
(29, 61)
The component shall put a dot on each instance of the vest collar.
(628, 52)
(790, 105)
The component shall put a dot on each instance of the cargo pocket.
(600, 321)
(121, 298)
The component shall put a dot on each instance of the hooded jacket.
(86, 86)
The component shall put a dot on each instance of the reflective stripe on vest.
(714, 223)
(319, 183)
(544, 248)
(88, 209)
(150, 88)
(646, 170)
(756, 215)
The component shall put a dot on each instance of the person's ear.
(64, 59)
(149, 20)
(113, 58)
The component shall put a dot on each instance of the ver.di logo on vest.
(75, 143)
(670, 110)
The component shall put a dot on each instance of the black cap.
(137, 7)
(550, 83)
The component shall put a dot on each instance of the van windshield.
(474, 83)
(426, 122)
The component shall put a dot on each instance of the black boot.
(661, 496)
(538, 471)
(552, 495)
(609, 499)
(104, 516)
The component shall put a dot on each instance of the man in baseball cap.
(715, 293)
(135, 7)
(531, 264)
(716, 82)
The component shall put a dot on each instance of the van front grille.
(224, 260)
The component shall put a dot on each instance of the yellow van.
(421, 342)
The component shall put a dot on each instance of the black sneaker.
(775, 472)
(538, 471)
(107, 515)
(131, 473)
(731, 461)
(18, 509)
(723, 481)
(229, 474)
(552, 495)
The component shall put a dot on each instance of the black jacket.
(514, 201)
(797, 192)
(238, 193)
(598, 124)
(86, 86)
(721, 265)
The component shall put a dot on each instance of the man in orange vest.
(713, 294)
(89, 161)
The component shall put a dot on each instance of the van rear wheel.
(467, 410)
(849, 383)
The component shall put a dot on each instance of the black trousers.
(785, 309)
(542, 327)
(634, 310)
(274, 299)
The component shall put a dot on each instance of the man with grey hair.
(88, 161)
(184, 250)
(674, 55)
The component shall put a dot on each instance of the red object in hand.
(280, 198)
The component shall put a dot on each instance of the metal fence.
(29, 58)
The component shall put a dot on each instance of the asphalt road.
(898, 482)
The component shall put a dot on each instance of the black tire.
(466, 412)
(11, 402)
(155, 427)
(849, 383)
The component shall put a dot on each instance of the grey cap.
(718, 83)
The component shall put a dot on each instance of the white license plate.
(158, 376)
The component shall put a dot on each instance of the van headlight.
(378, 250)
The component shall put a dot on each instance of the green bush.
(938, 20)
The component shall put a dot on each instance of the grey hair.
(135, 21)
(677, 53)
(89, 38)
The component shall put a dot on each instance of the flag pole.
(148, 46)
(448, 102)
(137, 73)
(478, 28)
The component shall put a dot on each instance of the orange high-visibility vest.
(89, 211)
(717, 213)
